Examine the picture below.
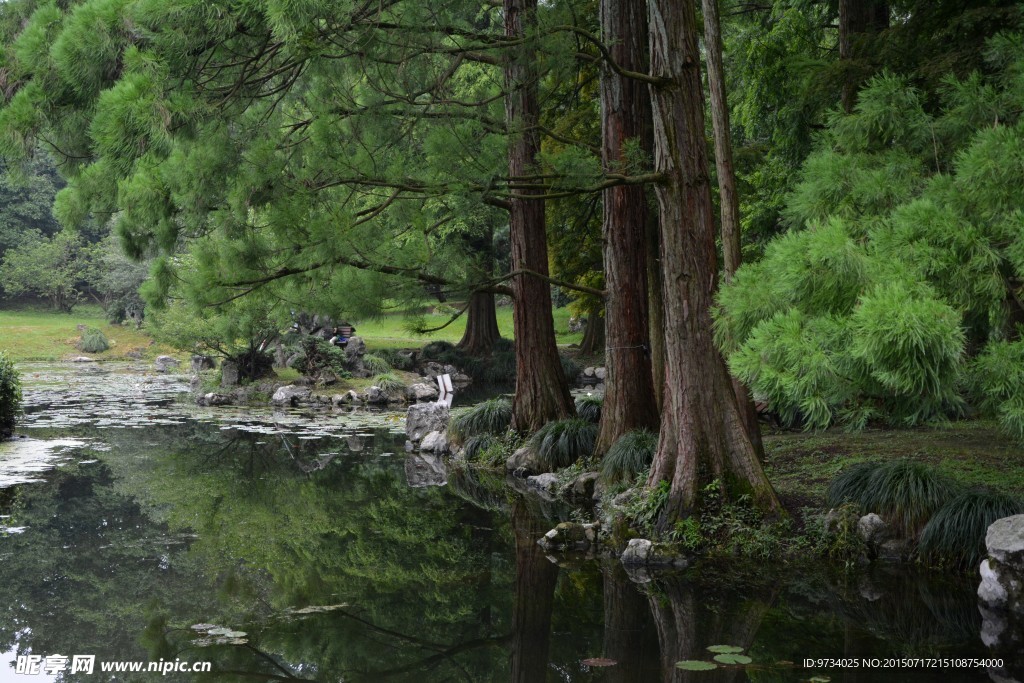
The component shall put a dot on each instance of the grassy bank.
(30, 334)
(973, 453)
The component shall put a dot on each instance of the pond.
(290, 545)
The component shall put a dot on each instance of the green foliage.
(631, 455)
(54, 268)
(588, 407)
(955, 535)
(475, 445)
(570, 367)
(435, 349)
(375, 364)
(394, 358)
(904, 255)
(492, 449)
(492, 416)
(995, 380)
(10, 395)
(388, 382)
(93, 341)
(117, 280)
(562, 442)
(904, 492)
(321, 360)
(500, 368)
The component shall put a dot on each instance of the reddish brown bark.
(594, 335)
(729, 202)
(857, 18)
(542, 391)
(629, 401)
(536, 578)
(481, 325)
(702, 434)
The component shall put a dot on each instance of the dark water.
(311, 547)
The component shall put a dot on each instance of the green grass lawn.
(29, 334)
(35, 334)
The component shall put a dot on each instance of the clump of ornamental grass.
(376, 365)
(562, 442)
(904, 492)
(955, 535)
(631, 455)
(487, 417)
(388, 383)
(93, 341)
(589, 407)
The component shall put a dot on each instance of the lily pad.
(695, 665)
(203, 627)
(725, 649)
(732, 658)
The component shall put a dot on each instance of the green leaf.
(695, 665)
(730, 658)
(725, 649)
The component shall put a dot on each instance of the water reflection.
(339, 560)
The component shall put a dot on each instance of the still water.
(283, 545)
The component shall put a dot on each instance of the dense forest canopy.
(340, 157)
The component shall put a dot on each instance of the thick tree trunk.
(481, 317)
(481, 325)
(542, 391)
(594, 335)
(629, 636)
(657, 306)
(857, 17)
(629, 401)
(732, 254)
(536, 578)
(702, 434)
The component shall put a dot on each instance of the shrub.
(93, 341)
(588, 407)
(319, 357)
(632, 454)
(488, 417)
(375, 364)
(570, 367)
(955, 535)
(388, 383)
(903, 492)
(434, 349)
(10, 395)
(501, 369)
(475, 445)
(561, 443)
(396, 359)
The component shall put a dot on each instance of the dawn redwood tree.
(481, 316)
(702, 435)
(729, 202)
(629, 401)
(542, 391)
(857, 18)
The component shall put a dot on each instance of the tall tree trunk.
(536, 578)
(629, 636)
(542, 391)
(625, 113)
(656, 305)
(856, 18)
(732, 253)
(481, 317)
(594, 335)
(702, 434)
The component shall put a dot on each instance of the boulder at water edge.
(423, 418)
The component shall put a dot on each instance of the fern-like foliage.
(955, 535)
(487, 417)
(562, 442)
(588, 407)
(631, 455)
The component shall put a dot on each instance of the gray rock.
(350, 397)
(601, 373)
(872, 529)
(200, 363)
(588, 372)
(213, 399)
(229, 374)
(434, 442)
(166, 363)
(421, 391)
(895, 550)
(83, 359)
(995, 584)
(637, 552)
(432, 369)
(523, 462)
(599, 388)
(290, 395)
(1005, 542)
(423, 418)
(375, 395)
(461, 380)
(547, 482)
(425, 469)
(583, 486)
(355, 348)
(566, 535)
(355, 443)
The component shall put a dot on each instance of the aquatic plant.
(562, 442)
(588, 407)
(906, 493)
(10, 395)
(375, 364)
(630, 455)
(955, 535)
(93, 341)
(487, 417)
